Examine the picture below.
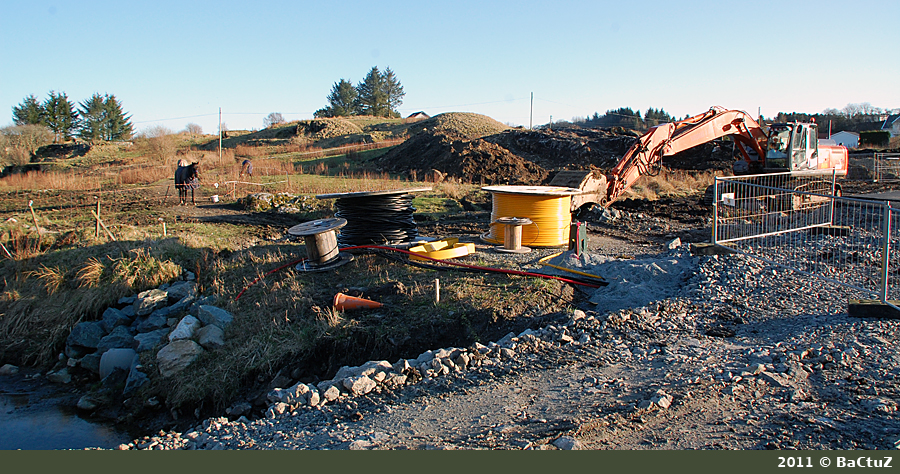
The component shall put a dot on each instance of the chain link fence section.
(789, 221)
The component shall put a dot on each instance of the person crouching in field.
(246, 168)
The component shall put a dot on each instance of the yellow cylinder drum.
(548, 208)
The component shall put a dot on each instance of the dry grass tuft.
(89, 275)
(51, 277)
(140, 269)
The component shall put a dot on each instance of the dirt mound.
(459, 146)
(460, 125)
(320, 129)
(477, 161)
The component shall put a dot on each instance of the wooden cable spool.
(512, 237)
(322, 252)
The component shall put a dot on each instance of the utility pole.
(531, 114)
(220, 134)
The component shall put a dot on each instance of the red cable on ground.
(267, 274)
(448, 262)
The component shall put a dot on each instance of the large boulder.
(136, 379)
(214, 315)
(91, 362)
(149, 340)
(186, 328)
(112, 317)
(154, 321)
(120, 337)
(176, 356)
(181, 290)
(150, 300)
(86, 335)
(359, 385)
(211, 337)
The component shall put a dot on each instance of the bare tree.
(862, 108)
(158, 142)
(193, 129)
(273, 119)
(18, 143)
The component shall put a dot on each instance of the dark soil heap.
(469, 148)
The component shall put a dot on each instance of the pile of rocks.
(279, 202)
(172, 319)
(375, 376)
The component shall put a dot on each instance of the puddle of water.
(43, 424)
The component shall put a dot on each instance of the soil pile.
(320, 129)
(462, 147)
(460, 125)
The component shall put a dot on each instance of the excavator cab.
(792, 147)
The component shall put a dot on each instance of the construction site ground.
(742, 356)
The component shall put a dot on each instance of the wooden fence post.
(37, 228)
(97, 232)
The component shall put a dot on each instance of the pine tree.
(59, 116)
(343, 99)
(92, 113)
(393, 90)
(117, 125)
(29, 112)
(372, 98)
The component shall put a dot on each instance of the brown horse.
(187, 176)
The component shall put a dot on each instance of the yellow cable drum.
(546, 206)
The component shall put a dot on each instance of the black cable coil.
(384, 219)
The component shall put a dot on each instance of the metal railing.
(788, 221)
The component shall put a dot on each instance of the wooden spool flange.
(321, 244)
(512, 236)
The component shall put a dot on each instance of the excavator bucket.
(591, 183)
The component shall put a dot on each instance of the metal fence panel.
(852, 242)
(886, 167)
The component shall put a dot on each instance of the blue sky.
(175, 62)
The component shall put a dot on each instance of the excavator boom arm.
(645, 155)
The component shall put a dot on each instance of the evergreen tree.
(92, 113)
(117, 125)
(59, 116)
(393, 90)
(29, 112)
(654, 117)
(372, 96)
(342, 99)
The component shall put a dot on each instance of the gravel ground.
(737, 355)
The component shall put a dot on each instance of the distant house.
(848, 139)
(418, 116)
(892, 124)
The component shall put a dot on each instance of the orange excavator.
(787, 147)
